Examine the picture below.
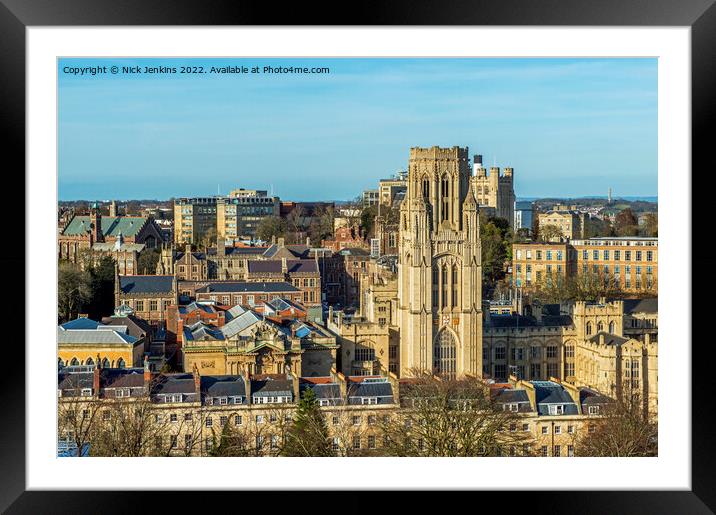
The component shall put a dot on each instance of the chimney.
(281, 242)
(113, 209)
(308, 241)
(284, 265)
(273, 239)
(601, 338)
(197, 380)
(147, 373)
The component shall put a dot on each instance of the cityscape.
(437, 313)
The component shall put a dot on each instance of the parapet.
(435, 152)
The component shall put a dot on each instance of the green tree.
(271, 226)
(496, 243)
(367, 219)
(307, 435)
(147, 262)
(550, 233)
(102, 286)
(651, 225)
(74, 289)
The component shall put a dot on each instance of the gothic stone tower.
(439, 267)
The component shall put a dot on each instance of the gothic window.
(120, 363)
(426, 188)
(611, 327)
(436, 277)
(74, 362)
(89, 361)
(445, 286)
(589, 328)
(600, 327)
(444, 354)
(105, 363)
(454, 286)
(445, 192)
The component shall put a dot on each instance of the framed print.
(424, 248)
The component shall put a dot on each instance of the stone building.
(249, 343)
(494, 191)
(570, 223)
(86, 342)
(439, 266)
(146, 296)
(631, 263)
(122, 237)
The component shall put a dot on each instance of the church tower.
(96, 223)
(439, 267)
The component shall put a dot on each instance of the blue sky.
(569, 127)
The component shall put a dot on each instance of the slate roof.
(587, 397)
(235, 311)
(548, 392)
(285, 304)
(247, 287)
(354, 251)
(194, 306)
(609, 339)
(239, 323)
(173, 383)
(383, 391)
(81, 323)
(223, 386)
(294, 266)
(71, 381)
(323, 391)
(202, 331)
(299, 251)
(512, 396)
(511, 321)
(271, 387)
(121, 377)
(136, 326)
(641, 305)
(129, 226)
(96, 336)
(146, 283)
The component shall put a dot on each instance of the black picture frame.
(17, 15)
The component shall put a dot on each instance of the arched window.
(434, 289)
(454, 286)
(444, 355)
(600, 327)
(105, 363)
(445, 285)
(426, 188)
(611, 327)
(89, 361)
(589, 328)
(74, 362)
(120, 363)
(445, 193)
(60, 363)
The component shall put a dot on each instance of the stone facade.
(439, 266)
(494, 190)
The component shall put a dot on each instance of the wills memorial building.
(439, 267)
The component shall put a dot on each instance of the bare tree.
(450, 417)
(623, 429)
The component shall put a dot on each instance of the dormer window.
(556, 409)
(121, 392)
(323, 402)
(369, 400)
(511, 407)
(594, 410)
(86, 392)
(223, 400)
